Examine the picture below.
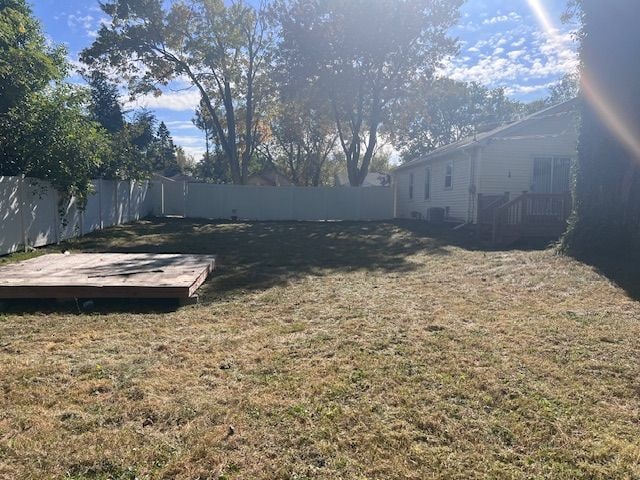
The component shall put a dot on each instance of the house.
(506, 181)
(269, 177)
(373, 179)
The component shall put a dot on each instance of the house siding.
(456, 198)
(507, 163)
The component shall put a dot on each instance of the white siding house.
(531, 155)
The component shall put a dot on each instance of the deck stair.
(503, 220)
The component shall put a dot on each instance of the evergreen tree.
(165, 152)
(105, 103)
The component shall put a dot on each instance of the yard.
(338, 350)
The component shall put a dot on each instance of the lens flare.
(597, 97)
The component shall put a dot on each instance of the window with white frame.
(427, 183)
(411, 186)
(448, 176)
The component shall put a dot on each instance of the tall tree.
(105, 103)
(445, 111)
(165, 151)
(221, 49)
(301, 138)
(365, 55)
(607, 187)
(27, 62)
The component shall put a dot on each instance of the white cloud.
(195, 152)
(180, 125)
(188, 140)
(527, 89)
(513, 16)
(521, 59)
(183, 101)
(519, 43)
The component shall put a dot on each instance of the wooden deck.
(502, 220)
(106, 275)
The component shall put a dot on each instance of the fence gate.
(174, 198)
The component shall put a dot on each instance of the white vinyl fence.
(201, 200)
(31, 213)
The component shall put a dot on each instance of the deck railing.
(529, 214)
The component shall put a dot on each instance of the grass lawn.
(333, 351)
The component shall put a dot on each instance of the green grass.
(338, 350)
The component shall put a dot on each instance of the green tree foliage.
(27, 64)
(445, 111)
(165, 159)
(607, 186)
(132, 142)
(567, 88)
(44, 129)
(212, 167)
(365, 56)
(300, 139)
(221, 49)
(105, 103)
(50, 137)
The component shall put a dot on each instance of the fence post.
(184, 198)
(162, 199)
(21, 208)
(100, 204)
(56, 223)
(129, 202)
(115, 203)
(291, 203)
(326, 205)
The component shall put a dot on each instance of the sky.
(501, 45)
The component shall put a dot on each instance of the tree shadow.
(259, 255)
(623, 270)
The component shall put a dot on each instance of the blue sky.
(501, 45)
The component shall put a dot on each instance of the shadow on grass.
(623, 270)
(258, 255)
(90, 306)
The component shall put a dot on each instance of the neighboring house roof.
(269, 177)
(373, 179)
(180, 177)
(483, 138)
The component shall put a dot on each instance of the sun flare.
(611, 114)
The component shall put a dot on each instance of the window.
(551, 175)
(411, 186)
(448, 176)
(427, 183)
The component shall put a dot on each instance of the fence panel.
(285, 203)
(10, 215)
(31, 212)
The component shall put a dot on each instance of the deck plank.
(106, 275)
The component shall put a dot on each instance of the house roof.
(484, 137)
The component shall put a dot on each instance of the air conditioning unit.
(436, 215)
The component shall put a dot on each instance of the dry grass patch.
(329, 351)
